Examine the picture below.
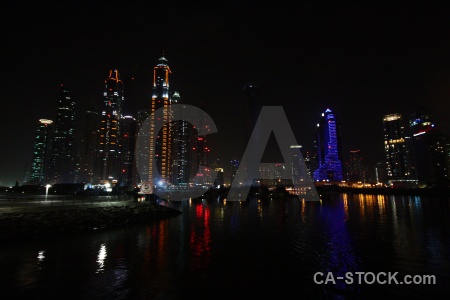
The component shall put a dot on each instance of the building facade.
(184, 160)
(162, 149)
(429, 150)
(298, 166)
(397, 147)
(61, 168)
(355, 169)
(128, 172)
(41, 152)
(109, 147)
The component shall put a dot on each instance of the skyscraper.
(429, 150)
(397, 151)
(184, 162)
(61, 166)
(41, 151)
(160, 99)
(200, 145)
(108, 159)
(299, 171)
(128, 128)
(89, 146)
(327, 148)
(355, 171)
(234, 168)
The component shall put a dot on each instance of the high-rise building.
(41, 151)
(429, 150)
(234, 168)
(184, 160)
(61, 168)
(327, 148)
(399, 169)
(219, 181)
(202, 150)
(299, 171)
(128, 172)
(160, 99)
(88, 146)
(109, 147)
(355, 170)
(308, 163)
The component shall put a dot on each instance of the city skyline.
(359, 71)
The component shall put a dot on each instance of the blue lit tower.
(61, 167)
(160, 99)
(327, 147)
(109, 136)
(397, 151)
(41, 151)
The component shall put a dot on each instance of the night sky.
(360, 60)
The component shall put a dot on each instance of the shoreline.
(335, 189)
(64, 220)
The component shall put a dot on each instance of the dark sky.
(362, 60)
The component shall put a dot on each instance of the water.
(256, 249)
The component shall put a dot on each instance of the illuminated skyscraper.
(61, 166)
(184, 161)
(108, 159)
(397, 151)
(328, 149)
(41, 151)
(160, 99)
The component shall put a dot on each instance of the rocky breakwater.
(58, 222)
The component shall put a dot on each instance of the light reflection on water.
(101, 258)
(239, 249)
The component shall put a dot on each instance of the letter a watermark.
(272, 119)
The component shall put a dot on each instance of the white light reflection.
(101, 258)
(41, 255)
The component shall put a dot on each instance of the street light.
(46, 191)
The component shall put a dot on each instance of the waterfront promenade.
(33, 216)
(28, 202)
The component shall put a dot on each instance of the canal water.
(271, 249)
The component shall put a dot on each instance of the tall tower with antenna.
(109, 135)
(162, 150)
